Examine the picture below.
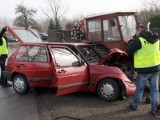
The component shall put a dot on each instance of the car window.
(63, 57)
(32, 54)
(89, 54)
(101, 49)
(13, 43)
(27, 35)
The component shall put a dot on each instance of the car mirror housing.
(76, 63)
(81, 61)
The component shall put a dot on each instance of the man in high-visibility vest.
(3, 56)
(144, 48)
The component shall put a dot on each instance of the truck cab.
(111, 30)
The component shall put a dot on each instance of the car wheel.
(20, 84)
(108, 89)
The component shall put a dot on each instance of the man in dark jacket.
(3, 56)
(144, 48)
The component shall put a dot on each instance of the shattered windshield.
(111, 30)
(128, 24)
(27, 35)
(89, 54)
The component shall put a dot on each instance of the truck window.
(111, 31)
(69, 59)
(94, 30)
(128, 24)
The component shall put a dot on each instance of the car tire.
(20, 84)
(108, 89)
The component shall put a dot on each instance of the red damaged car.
(57, 65)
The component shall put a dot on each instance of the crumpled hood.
(114, 55)
(149, 36)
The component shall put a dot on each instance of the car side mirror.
(78, 63)
(81, 61)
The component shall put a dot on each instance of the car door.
(33, 62)
(72, 76)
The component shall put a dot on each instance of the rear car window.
(32, 54)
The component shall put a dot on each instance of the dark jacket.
(1, 35)
(135, 44)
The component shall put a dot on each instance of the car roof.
(55, 43)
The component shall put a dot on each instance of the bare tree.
(5, 21)
(42, 25)
(25, 16)
(69, 25)
(149, 8)
(55, 12)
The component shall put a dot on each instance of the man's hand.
(125, 42)
(5, 28)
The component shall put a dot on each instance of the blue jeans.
(154, 90)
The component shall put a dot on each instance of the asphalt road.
(43, 104)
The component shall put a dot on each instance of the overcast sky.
(74, 7)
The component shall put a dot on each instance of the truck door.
(72, 74)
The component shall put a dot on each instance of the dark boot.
(6, 84)
(1, 82)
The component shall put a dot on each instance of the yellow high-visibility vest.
(4, 48)
(148, 55)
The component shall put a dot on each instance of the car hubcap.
(19, 84)
(107, 90)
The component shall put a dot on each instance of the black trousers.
(2, 63)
